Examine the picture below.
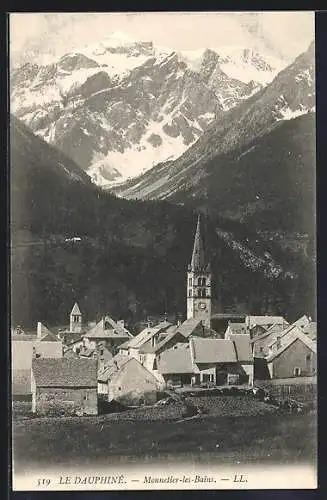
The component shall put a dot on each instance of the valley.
(246, 160)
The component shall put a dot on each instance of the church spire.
(198, 301)
(198, 255)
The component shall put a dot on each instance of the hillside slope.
(132, 256)
(121, 106)
(289, 95)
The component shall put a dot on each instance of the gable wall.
(294, 356)
(131, 384)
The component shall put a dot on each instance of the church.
(193, 353)
(199, 281)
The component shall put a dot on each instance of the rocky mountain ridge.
(120, 107)
(290, 94)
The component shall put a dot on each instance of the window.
(297, 371)
(86, 397)
(106, 325)
(199, 281)
(308, 357)
(101, 352)
(190, 282)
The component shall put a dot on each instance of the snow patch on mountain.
(146, 154)
(125, 105)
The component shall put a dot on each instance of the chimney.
(278, 342)
(192, 350)
(39, 330)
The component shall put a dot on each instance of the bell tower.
(199, 281)
(75, 323)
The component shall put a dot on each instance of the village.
(88, 367)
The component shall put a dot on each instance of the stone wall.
(65, 401)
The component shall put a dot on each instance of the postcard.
(163, 251)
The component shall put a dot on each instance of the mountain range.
(120, 107)
(290, 94)
(236, 140)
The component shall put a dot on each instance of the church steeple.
(199, 280)
(197, 261)
(75, 319)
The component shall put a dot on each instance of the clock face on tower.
(202, 305)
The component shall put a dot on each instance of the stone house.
(222, 361)
(294, 358)
(271, 343)
(258, 325)
(125, 380)
(26, 347)
(64, 386)
(148, 355)
(175, 365)
(106, 334)
(260, 344)
(208, 360)
(147, 338)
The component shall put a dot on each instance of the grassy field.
(235, 430)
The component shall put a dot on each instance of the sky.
(39, 35)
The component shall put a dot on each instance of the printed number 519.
(43, 482)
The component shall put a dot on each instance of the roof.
(292, 328)
(243, 347)
(160, 345)
(113, 330)
(65, 372)
(112, 366)
(146, 335)
(198, 256)
(311, 330)
(175, 360)
(213, 350)
(228, 316)
(73, 338)
(302, 322)
(22, 352)
(129, 363)
(271, 333)
(188, 326)
(309, 343)
(76, 310)
(265, 320)
(45, 333)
